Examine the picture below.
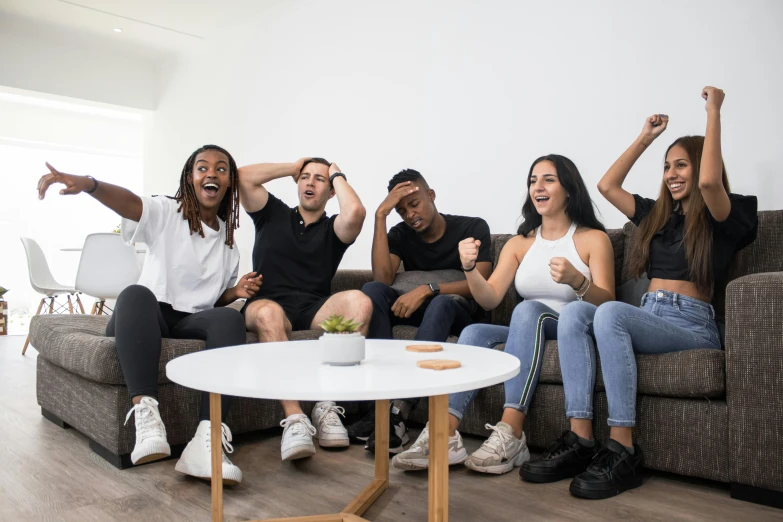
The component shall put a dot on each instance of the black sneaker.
(565, 458)
(361, 430)
(612, 471)
(398, 434)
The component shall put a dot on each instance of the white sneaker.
(196, 460)
(151, 441)
(330, 431)
(297, 440)
(500, 453)
(417, 457)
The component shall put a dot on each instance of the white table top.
(293, 371)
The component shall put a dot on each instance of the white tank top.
(533, 280)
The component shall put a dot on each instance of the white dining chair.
(43, 282)
(107, 266)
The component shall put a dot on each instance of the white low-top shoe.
(196, 460)
(297, 440)
(500, 453)
(151, 443)
(329, 429)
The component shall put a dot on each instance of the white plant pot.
(342, 349)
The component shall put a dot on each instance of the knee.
(577, 313)
(373, 289)
(268, 316)
(442, 305)
(136, 295)
(471, 335)
(361, 304)
(526, 310)
(227, 323)
(608, 314)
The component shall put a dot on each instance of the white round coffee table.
(293, 370)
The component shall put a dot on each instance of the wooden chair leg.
(101, 304)
(70, 305)
(94, 308)
(79, 302)
(27, 341)
(51, 305)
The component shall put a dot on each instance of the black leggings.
(140, 322)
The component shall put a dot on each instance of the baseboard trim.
(766, 497)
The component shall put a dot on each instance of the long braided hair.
(189, 206)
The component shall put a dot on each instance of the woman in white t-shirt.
(189, 276)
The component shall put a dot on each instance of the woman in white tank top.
(561, 255)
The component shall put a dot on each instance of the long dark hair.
(698, 229)
(188, 203)
(579, 206)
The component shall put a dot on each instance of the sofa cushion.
(78, 344)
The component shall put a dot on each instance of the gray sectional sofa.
(716, 414)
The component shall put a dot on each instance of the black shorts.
(299, 310)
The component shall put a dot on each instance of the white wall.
(106, 143)
(470, 93)
(49, 59)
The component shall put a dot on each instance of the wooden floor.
(47, 473)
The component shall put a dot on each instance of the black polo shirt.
(297, 262)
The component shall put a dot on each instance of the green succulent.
(2, 291)
(338, 324)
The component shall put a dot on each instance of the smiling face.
(314, 187)
(418, 209)
(678, 173)
(210, 177)
(548, 195)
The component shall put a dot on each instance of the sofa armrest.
(350, 280)
(754, 378)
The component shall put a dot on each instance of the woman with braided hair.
(189, 276)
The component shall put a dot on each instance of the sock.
(401, 407)
(586, 443)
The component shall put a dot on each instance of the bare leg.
(583, 428)
(351, 304)
(453, 425)
(515, 419)
(622, 435)
(268, 321)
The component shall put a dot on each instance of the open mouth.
(309, 193)
(211, 188)
(416, 223)
(676, 186)
(540, 199)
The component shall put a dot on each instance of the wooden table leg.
(216, 435)
(439, 459)
(364, 500)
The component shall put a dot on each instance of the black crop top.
(667, 251)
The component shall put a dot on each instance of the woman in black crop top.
(686, 240)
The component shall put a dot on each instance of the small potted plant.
(341, 343)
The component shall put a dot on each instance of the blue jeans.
(665, 322)
(532, 324)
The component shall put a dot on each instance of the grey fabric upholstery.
(695, 409)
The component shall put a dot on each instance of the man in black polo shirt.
(426, 240)
(296, 253)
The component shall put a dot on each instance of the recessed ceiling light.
(117, 30)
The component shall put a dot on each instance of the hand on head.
(400, 191)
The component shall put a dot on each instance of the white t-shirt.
(185, 270)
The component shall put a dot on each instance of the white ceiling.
(168, 26)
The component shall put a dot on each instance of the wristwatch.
(435, 288)
(336, 174)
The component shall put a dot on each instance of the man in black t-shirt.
(297, 252)
(425, 241)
